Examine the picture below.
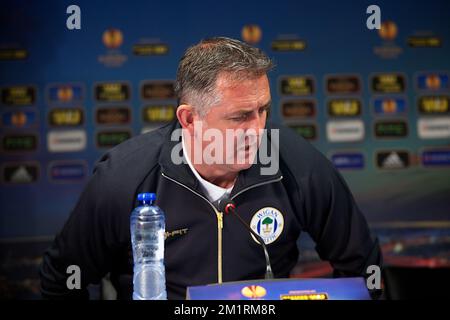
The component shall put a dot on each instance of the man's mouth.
(247, 147)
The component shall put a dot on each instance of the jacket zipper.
(219, 245)
(219, 216)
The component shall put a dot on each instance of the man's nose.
(257, 122)
(252, 131)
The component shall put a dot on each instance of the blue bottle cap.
(147, 196)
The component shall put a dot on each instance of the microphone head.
(225, 205)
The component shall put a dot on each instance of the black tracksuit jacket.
(202, 245)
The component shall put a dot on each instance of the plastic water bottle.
(147, 226)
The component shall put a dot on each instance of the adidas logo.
(393, 161)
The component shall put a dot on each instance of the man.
(223, 91)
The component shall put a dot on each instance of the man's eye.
(241, 118)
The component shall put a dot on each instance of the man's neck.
(223, 181)
(210, 172)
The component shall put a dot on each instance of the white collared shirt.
(212, 192)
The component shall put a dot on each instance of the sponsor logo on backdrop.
(65, 93)
(112, 39)
(432, 81)
(388, 49)
(388, 31)
(424, 40)
(348, 160)
(109, 139)
(388, 83)
(20, 173)
(345, 131)
(66, 141)
(287, 45)
(389, 106)
(158, 113)
(19, 119)
(306, 130)
(147, 48)
(344, 107)
(251, 33)
(112, 91)
(13, 54)
(298, 109)
(66, 117)
(69, 171)
(18, 96)
(157, 90)
(113, 115)
(391, 129)
(18, 143)
(434, 128)
(434, 105)
(342, 84)
(392, 159)
(436, 157)
(297, 85)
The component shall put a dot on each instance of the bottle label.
(159, 250)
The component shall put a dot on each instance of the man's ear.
(185, 115)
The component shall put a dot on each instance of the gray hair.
(202, 63)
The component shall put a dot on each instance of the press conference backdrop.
(375, 102)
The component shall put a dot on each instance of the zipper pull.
(220, 219)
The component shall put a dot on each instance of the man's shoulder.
(303, 164)
(137, 153)
(297, 152)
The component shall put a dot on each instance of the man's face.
(240, 117)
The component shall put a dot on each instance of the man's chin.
(241, 166)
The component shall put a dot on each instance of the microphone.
(227, 206)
